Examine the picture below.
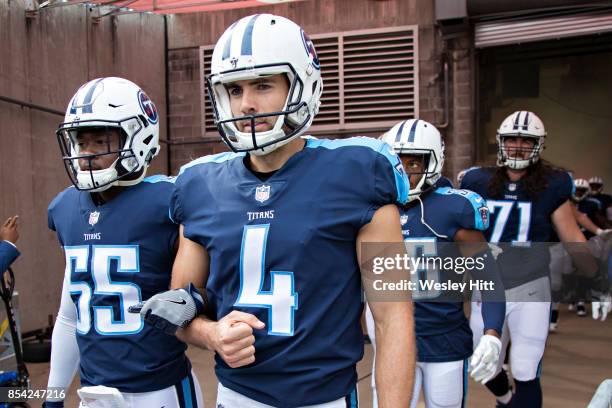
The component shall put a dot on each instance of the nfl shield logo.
(404, 219)
(512, 187)
(262, 193)
(93, 218)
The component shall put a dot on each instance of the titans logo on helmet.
(310, 50)
(148, 107)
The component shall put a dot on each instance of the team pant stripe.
(186, 388)
(352, 400)
(179, 393)
(465, 383)
(194, 399)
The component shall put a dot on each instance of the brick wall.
(184, 109)
(461, 132)
(187, 32)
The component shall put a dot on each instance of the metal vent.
(370, 79)
(516, 32)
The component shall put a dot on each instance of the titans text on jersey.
(284, 249)
(111, 265)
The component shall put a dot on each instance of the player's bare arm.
(232, 336)
(565, 223)
(395, 339)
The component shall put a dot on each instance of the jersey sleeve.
(469, 178)
(391, 184)
(475, 213)
(175, 210)
(563, 189)
(53, 214)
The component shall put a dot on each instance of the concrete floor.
(577, 359)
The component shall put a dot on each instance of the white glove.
(100, 396)
(495, 250)
(604, 233)
(601, 307)
(485, 358)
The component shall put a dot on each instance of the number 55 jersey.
(284, 249)
(118, 254)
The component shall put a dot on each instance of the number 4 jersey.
(285, 251)
(118, 254)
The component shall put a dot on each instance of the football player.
(597, 192)
(526, 198)
(119, 245)
(274, 231)
(432, 220)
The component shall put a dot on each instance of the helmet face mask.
(419, 180)
(256, 47)
(416, 137)
(581, 190)
(118, 153)
(596, 185)
(518, 157)
(228, 128)
(520, 124)
(114, 106)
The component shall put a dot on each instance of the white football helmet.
(581, 189)
(115, 103)
(418, 137)
(520, 124)
(596, 184)
(258, 46)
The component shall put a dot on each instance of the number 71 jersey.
(118, 254)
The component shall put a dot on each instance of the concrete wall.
(189, 31)
(43, 61)
(573, 101)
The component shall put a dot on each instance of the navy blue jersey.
(444, 182)
(604, 199)
(591, 207)
(443, 332)
(518, 220)
(118, 254)
(284, 250)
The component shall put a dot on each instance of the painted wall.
(43, 61)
